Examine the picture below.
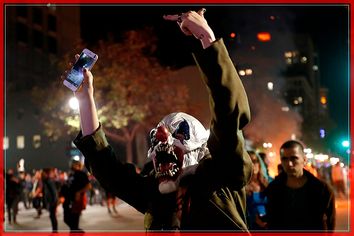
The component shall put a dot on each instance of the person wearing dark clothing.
(297, 200)
(209, 194)
(74, 193)
(12, 195)
(50, 196)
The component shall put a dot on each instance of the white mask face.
(178, 141)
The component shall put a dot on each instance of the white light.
(333, 160)
(321, 157)
(270, 85)
(267, 145)
(288, 54)
(345, 143)
(242, 72)
(341, 164)
(74, 103)
(271, 154)
(307, 150)
(309, 155)
(315, 68)
(293, 136)
(6, 143)
(76, 158)
(249, 71)
(303, 59)
(285, 109)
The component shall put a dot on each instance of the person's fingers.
(201, 12)
(171, 17)
(185, 30)
(87, 75)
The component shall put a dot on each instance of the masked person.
(197, 181)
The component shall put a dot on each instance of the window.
(52, 45)
(6, 143)
(21, 32)
(36, 141)
(52, 23)
(37, 39)
(37, 16)
(21, 142)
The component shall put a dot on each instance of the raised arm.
(228, 101)
(87, 107)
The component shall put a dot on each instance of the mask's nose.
(162, 133)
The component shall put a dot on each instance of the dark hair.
(292, 144)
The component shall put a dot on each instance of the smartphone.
(75, 76)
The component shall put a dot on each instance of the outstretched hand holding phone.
(84, 93)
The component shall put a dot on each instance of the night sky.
(327, 24)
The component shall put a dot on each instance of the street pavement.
(94, 219)
(97, 219)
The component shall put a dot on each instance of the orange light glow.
(233, 35)
(323, 100)
(263, 36)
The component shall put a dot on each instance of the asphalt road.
(97, 219)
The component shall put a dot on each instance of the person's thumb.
(201, 12)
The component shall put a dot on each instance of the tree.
(132, 90)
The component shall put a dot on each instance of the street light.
(345, 143)
(74, 103)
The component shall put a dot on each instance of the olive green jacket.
(215, 197)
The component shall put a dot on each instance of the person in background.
(74, 193)
(37, 193)
(264, 164)
(12, 195)
(111, 202)
(338, 178)
(50, 196)
(297, 200)
(256, 200)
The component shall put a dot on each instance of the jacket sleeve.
(229, 114)
(330, 210)
(113, 175)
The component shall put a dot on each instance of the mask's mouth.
(166, 171)
(167, 165)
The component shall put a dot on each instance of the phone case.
(75, 78)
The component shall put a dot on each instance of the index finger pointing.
(171, 17)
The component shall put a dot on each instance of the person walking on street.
(297, 200)
(75, 198)
(12, 195)
(50, 196)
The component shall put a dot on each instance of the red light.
(263, 36)
(232, 35)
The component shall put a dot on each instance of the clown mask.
(177, 145)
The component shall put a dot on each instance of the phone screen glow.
(75, 76)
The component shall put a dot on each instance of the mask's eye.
(182, 131)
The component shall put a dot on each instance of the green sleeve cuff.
(94, 142)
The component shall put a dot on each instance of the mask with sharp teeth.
(177, 145)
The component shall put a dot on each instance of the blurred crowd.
(49, 188)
